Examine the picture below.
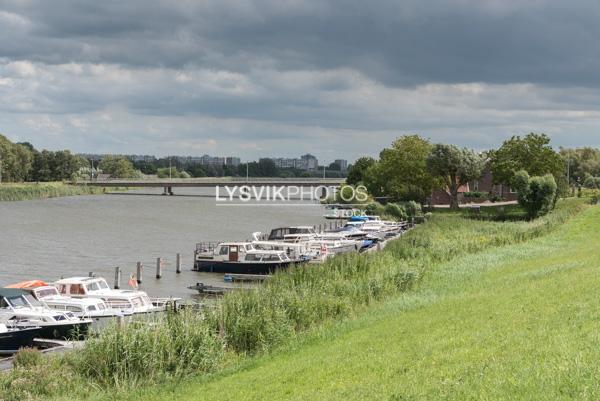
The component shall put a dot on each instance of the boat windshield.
(97, 286)
(249, 247)
(17, 302)
(32, 301)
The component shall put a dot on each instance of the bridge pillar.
(170, 190)
(167, 190)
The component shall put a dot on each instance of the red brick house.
(484, 184)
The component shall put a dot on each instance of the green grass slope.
(512, 323)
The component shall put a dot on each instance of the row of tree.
(413, 167)
(22, 162)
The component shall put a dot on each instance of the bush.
(592, 183)
(537, 195)
(27, 358)
(475, 194)
(413, 209)
(395, 210)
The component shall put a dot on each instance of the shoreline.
(14, 192)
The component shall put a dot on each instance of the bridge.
(169, 184)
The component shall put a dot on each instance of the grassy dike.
(43, 190)
(509, 323)
(393, 325)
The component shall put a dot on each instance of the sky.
(338, 79)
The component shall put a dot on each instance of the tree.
(15, 160)
(401, 172)
(455, 167)
(117, 167)
(581, 163)
(531, 153)
(357, 170)
(537, 195)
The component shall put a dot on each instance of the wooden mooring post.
(138, 272)
(158, 267)
(178, 263)
(117, 278)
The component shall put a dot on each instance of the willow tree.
(455, 167)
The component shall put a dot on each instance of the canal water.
(62, 237)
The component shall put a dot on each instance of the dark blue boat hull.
(240, 267)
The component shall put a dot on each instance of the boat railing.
(207, 246)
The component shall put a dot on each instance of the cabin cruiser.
(24, 311)
(294, 250)
(240, 257)
(93, 308)
(291, 233)
(124, 301)
(13, 338)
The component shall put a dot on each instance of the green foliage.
(166, 172)
(28, 191)
(582, 163)
(455, 167)
(537, 195)
(401, 172)
(532, 153)
(27, 358)
(15, 161)
(162, 346)
(117, 167)
(56, 166)
(356, 172)
(475, 194)
(592, 182)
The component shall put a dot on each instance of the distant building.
(342, 163)
(309, 162)
(305, 162)
(232, 161)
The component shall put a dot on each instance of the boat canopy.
(11, 292)
(28, 284)
(359, 218)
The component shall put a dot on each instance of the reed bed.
(30, 191)
(293, 301)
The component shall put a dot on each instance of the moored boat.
(22, 310)
(125, 301)
(13, 338)
(240, 257)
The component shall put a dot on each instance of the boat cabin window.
(62, 289)
(102, 284)
(252, 257)
(46, 292)
(73, 308)
(92, 287)
(76, 289)
(91, 308)
(224, 250)
(249, 247)
(272, 258)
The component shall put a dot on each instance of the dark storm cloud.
(400, 43)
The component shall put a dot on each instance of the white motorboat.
(93, 308)
(124, 301)
(23, 310)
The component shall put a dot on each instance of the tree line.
(22, 162)
(413, 167)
